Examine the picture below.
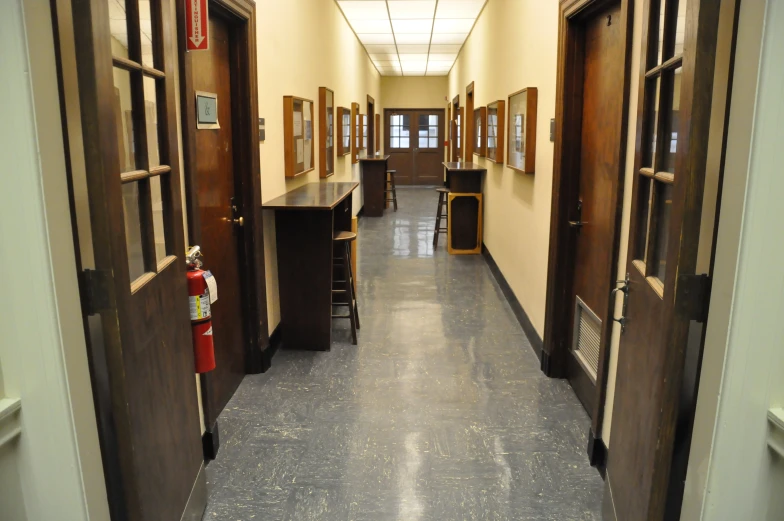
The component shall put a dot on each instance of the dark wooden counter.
(463, 177)
(312, 196)
(374, 176)
(305, 220)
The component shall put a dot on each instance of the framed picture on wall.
(480, 121)
(298, 145)
(495, 131)
(326, 132)
(343, 131)
(521, 138)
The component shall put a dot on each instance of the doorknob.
(579, 222)
(239, 222)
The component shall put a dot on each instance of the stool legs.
(390, 188)
(349, 290)
(440, 214)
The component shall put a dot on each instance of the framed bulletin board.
(344, 131)
(298, 140)
(495, 131)
(326, 132)
(355, 133)
(480, 119)
(521, 140)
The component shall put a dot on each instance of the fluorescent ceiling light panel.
(459, 8)
(462, 25)
(413, 26)
(401, 9)
(364, 9)
(422, 39)
(412, 36)
(375, 39)
(413, 58)
(412, 49)
(442, 57)
(371, 26)
(373, 49)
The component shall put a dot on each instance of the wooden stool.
(342, 257)
(389, 188)
(442, 213)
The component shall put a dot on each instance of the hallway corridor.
(440, 413)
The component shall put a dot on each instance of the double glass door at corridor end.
(414, 140)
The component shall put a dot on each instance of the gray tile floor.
(440, 413)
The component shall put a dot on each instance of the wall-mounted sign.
(197, 26)
(206, 110)
(262, 132)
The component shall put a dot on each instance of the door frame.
(468, 126)
(566, 177)
(370, 108)
(445, 129)
(242, 26)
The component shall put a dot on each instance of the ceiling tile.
(437, 73)
(447, 49)
(463, 25)
(375, 39)
(412, 38)
(412, 49)
(459, 8)
(451, 38)
(442, 57)
(402, 9)
(419, 26)
(383, 56)
(439, 64)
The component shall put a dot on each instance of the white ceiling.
(412, 37)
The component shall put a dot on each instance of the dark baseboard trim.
(517, 308)
(210, 442)
(272, 348)
(597, 453)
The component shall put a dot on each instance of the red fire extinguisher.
(201, 318)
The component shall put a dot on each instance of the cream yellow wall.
(304, 45)
(414, 92)
(512, 46)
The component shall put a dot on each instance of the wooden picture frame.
(298, 142)
(479, 128)
(326, 132)
(363, 132)
(495, 131)
(354, 133)
(521, 140)
(343, 123)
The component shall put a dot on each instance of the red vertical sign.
(197, 26)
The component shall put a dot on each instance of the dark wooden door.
(218, 201)
(415, 144)
(140, 340)
(665, 294)
(594, 214)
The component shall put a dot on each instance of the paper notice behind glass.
(300, 150)
(297, 124)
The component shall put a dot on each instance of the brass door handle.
(239, 222)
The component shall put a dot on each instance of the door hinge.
(95, 290)
(693, 297)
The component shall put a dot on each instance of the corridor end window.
(399, 131)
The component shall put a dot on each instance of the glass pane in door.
(151, 119)
(145, 27)
(671, 121)
(123, 113)
(133, 230)
(663, 201)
